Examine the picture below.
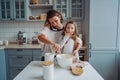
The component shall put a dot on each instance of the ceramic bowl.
(64, 60)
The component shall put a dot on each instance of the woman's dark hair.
(52, 13)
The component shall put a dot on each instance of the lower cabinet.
(119, 66)
(105, 62)
(37, 54)
(18, 59)
(2, 65)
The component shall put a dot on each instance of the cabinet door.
(20, 52)
(14, 72)
(19, 9)
(16, 60)
(37, 54)
(12, 9)
(2, 65)
(119, 67)
(19, 61)
(105, 62)
(71, 9)
(5, 9)
(76, 9)
(62, 6)
(103, 24)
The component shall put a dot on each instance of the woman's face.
(70, 28)
(55, 21)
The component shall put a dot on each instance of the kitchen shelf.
(40, 6)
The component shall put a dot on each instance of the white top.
(68, 43)
(51, 35)
(33, 71)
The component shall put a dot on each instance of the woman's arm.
(45, 40)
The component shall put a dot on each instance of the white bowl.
(64, 60)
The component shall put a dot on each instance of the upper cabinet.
(103, 24)
(12, 9)
(37, 9)
(70, 9)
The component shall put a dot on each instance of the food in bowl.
(64, 60)
(47, 63)
(77, 71)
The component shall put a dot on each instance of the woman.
(51, 32)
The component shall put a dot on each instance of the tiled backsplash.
(9, 30)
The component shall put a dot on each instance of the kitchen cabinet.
(103, 42)
(119, 44)
(2, 65)
(36, 10)
(105, 62)
(37, 54)
(17, 59)
(119, 67)
(12, 9)
(70, 9)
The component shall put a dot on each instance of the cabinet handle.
(19, 69)
(90, 46)
(90, 54)
(70, 18)
(12, 19)
(19, 49)
(19, 57)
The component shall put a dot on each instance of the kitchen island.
(33, 71)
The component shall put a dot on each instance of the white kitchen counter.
(33, 71)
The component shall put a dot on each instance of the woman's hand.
(56, 47)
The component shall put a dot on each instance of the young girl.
(70, 42)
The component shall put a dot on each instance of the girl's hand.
(68, 34)
(74, 52)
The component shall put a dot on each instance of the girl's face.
(55, 21)
(70, 28)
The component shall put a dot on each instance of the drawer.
(20, 61)
(13, 72)
(19, 52)
(37, 58)
(37, 52)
